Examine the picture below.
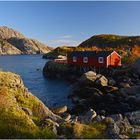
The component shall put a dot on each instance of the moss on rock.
(77, 130)
(15, 122)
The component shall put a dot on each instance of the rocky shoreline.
(111, 100)
(116, 94)
(60, 71)
(35, 120)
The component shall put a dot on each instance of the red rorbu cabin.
(96, 59)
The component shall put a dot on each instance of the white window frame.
(85, 59)
(100, 59)
(74, 59)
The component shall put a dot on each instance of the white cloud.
(64, 42)
(66, 37)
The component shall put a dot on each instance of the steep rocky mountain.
(7, 48)
(13, 42)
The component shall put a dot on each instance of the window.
(101, 60)
(74, 59)
(85, 59)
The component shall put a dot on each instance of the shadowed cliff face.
(13, 42)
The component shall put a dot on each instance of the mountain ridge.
(104, 40)
(13, 42)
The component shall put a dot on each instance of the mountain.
(127, 46)
(13, 42)
(110, 40)
(61, 50)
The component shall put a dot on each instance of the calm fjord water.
(29, 67)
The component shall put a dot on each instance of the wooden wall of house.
(114, 60)
(91, 62)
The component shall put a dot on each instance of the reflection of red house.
(97, 59)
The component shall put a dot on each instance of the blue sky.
(69, 23)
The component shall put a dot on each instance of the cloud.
(64, 42)
(66, 36)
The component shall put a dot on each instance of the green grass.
(14, 122)
(77, 130)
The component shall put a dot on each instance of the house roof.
(90, 53)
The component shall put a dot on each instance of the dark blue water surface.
(29, 67)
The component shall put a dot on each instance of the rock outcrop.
(61, 71)
(105, 105)
(21, 113)
(136, 66)
(110, 94)
(13, 42)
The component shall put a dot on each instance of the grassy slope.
(127, 46)
(110, 40)
(14, 122)
(63, 50)
(96, 130)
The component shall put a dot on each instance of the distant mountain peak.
(16, 43)
(6, 33)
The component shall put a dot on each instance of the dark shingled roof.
(90, 53)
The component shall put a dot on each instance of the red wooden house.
(96, 59)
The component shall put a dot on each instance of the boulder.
(131, 99)
(135, 129)
(78, 108)
(88, 78)
(122, 123)
(117, 117)
(50, 124)
(110, 88)
(131, 90)
(111, 82)
(101, 80)
(74, 119)
(113, 131)
(100, 118)
(60, 110)
(87, 92)
(124, 85)
(133, 117)
(88, 117)
(66, 117)
(91, 78)
(123, 137)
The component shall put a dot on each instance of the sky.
(69, 23)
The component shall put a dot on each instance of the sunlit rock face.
(13, 42)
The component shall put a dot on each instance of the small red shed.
(97, 59)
